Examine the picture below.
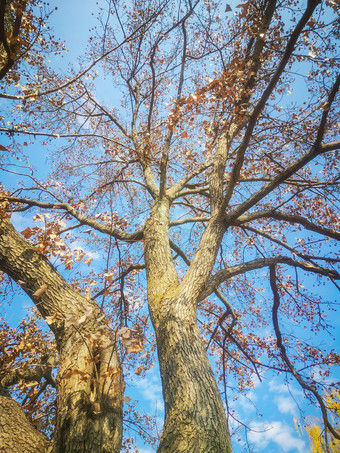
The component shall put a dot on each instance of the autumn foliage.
(175, 191)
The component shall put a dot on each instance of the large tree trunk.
(195, 420)
(17, 434)
(89, 384)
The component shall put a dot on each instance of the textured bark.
(195, 420)
(9, 30)
(17, 434)
(89, 407)
(89, 404)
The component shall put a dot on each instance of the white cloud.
(20, 222)
(278, 387)
(79, 244)
(286, 405)
(278, 433)
(150, 389)
(247, 402)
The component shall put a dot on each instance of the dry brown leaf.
(39, 292)
(136, 347)
(139, 370)
(27, 232)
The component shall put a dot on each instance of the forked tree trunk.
(90, 385)
(195, 420)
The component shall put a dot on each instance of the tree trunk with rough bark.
(90, 384)
(17, 434)
(195, 419)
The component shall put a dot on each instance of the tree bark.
(17, 434)
(90, 384)
(195, 419)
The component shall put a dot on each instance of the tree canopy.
(176, 196)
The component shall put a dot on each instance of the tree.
(320, 439)
(86, 409)
(200, 173)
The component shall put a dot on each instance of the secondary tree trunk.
(89, 383)
(195, 420)
(17, 434)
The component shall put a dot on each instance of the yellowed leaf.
(31, 383)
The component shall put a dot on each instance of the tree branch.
(262, 102)
(123, 274)
(101, 227)
(189, 220)
(292, 218)
(224, 274)
(304, 256)
(27, 375)
(315, 150)
(10, 49)
(281, 347)
(175, 190)
(12, 131)
(109, 115)
(97, 60)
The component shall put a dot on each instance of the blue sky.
(278, 403)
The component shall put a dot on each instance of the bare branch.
(175, 190)
(189, 220)
(133, 35)
(12, 131)
(123, 274)
(84, 220)
(263, 100)
(280, 345)
(110, 116)
(292, 218)
(295, 252)
(166, 148)
(224, 274)
(179, 252)
(315, 150)
(332, 146)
